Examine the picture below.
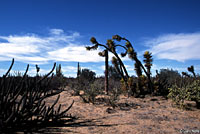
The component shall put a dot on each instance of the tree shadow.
(65, 126)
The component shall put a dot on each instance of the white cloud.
(73, 52)
(179, 47)
(2, 71)
(101, 67)
(69, 69)
(34, 49)
(56, 31)
(158, 67)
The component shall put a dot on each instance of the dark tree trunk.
(194, 74)
(106, 71)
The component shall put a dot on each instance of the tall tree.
(105, 54)
(116, 60)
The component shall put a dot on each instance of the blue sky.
(46, 31)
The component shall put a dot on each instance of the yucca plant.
(191, 69)
(111, 47)
(133, 56)
(148, 63)
(37, 69)
(185, 74)
(116, 60)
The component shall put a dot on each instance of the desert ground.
(149, 115)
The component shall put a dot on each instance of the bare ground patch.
(149, 115)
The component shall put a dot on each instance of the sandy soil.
(151, 115)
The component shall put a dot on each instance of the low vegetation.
(22, 98)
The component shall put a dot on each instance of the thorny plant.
(188, 89)
(22, 104)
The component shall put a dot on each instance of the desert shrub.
(93, 90)
(189, 92)
(96, 88)
(22, 103)
(137, 86)
(129, 88)
(193, 92)
(88, 75)
(164, 80)
(83, 82)
(58, 82)
(113, 74)
(115, 92)
(142, 86)
(88, 87)
(114, 84)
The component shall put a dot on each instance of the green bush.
(91, 92)
(88, 75)
(177, 94)
(83, 82)
(166, 79)
(189, 92)
(113, 74)
(193, 92)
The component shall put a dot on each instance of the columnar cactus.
(58, 71)
(22, 104)
(78, 70)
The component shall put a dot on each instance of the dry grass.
(150, 115)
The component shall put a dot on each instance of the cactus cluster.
(59, 71)
(188, 89)
(22, 103)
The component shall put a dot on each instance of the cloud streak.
(34, 49)
(180, 47)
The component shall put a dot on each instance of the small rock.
(110, 110)
(81, 92)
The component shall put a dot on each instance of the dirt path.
(151, 115)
